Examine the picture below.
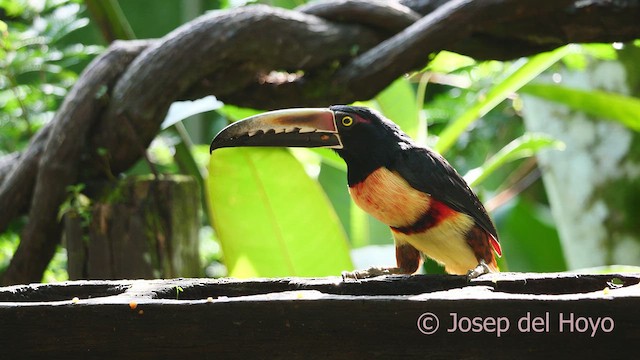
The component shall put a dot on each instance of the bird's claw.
(481, 269)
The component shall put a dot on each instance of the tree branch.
(378, 14)
(410, 49)
(259, 37)
(7, 162)
(57, 167)
(17, 188)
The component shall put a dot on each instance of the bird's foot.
(370, 273)
(481, 269)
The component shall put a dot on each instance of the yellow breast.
(445, 243)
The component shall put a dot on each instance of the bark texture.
(143, 228)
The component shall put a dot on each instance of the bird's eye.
(347, 121)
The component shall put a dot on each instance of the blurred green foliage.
(37, 65)
(467, 109)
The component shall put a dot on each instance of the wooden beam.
(501, 315)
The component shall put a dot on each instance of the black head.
(369, 139)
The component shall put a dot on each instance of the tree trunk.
(593, 184)
(144, 228)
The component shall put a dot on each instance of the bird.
(428, 206)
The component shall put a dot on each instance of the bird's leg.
(481, 269)
(408, 260)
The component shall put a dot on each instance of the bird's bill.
(304, 127)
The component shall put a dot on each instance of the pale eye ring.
(347, 121)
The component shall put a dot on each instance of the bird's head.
(361, 136)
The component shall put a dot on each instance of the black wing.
(429, 172)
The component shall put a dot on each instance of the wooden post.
(504, 316)
(144, 228)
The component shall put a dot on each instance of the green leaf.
(359, 226)
(109, 17)
(367, 230)
(184, 157)
(529, 239)
(271, 218)
(447, 62)
(620, 108)
(331, 158)
(524, 146)
(334, 183)
(398, 103)
(181, 110)
(235, 113)
(532, 68)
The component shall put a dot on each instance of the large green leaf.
(334, 183)
(532, 68)
(624, 109)
(529, 238)
(331, 158)
(271, 218)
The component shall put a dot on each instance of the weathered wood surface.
(548, 316)
(144, 228)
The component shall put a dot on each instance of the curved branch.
(383, 15)
(492, 29)
(7, 162)
(270, 39)
(57, 167)
(543, 26)
(410, 49)
(17, 188)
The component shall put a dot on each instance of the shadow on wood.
(434, 316)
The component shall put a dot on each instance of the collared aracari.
(426, 203)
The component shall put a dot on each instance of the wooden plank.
(498, 316)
